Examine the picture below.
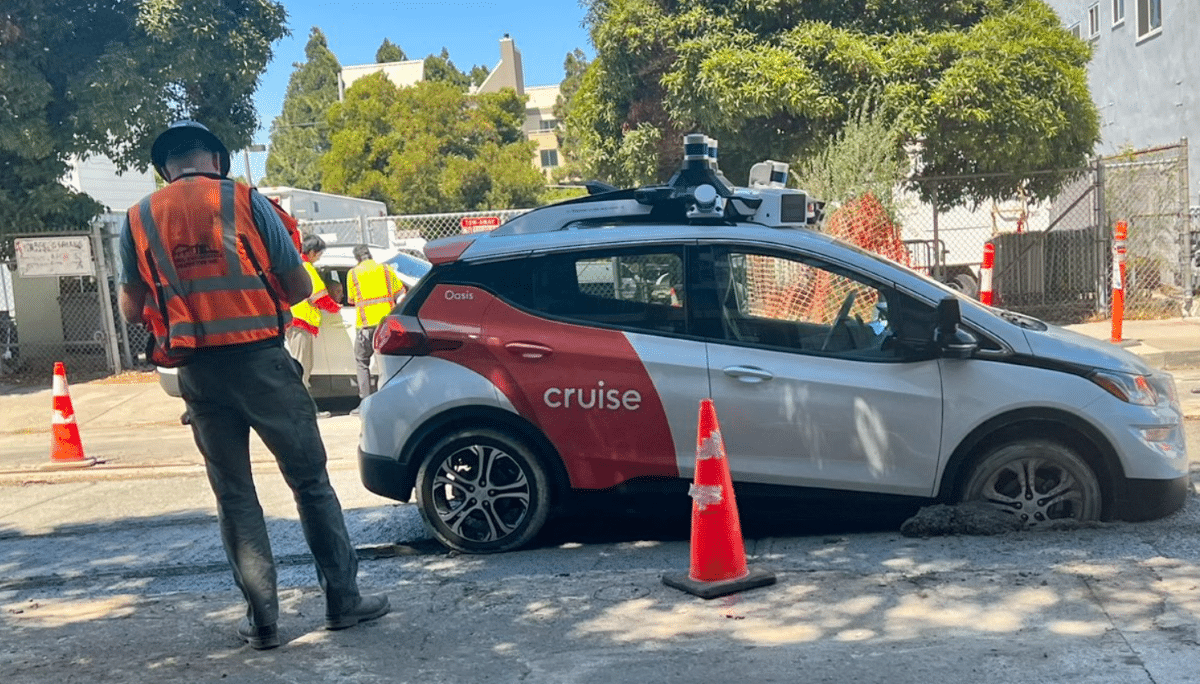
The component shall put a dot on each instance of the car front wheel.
(1037, 481)
(483, 491)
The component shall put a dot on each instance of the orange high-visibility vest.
(306, 311)
(374, 288)
(206, 266)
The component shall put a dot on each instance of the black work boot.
(369, 608)
(259, 638)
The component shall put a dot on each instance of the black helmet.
(180, 132)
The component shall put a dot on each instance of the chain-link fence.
(405, 232)
(1053, 259)
(49, 317)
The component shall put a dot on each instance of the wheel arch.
(433, 430)
(1051, 424)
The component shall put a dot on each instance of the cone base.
(757, 577)
(59, 465)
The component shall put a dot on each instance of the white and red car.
(569, 350)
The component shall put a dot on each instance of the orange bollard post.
(718, 554)
(985, 273)
(1118, 279)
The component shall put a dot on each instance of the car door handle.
(528, 350)
(748, 373)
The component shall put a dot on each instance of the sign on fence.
(54, 256)
(479, 224)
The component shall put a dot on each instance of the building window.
(548, 124)
(1149, 18)
(549, 158)
(1075, 30)
(1118, 14)
(1094, 20)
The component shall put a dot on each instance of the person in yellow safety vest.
(306, 315)
(374, 289)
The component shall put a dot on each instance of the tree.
(389, 52)
(84, 78)
(440, 68)
(575, 64)
(300, 134)
(431, 148)
(862, 158)
(975, 86)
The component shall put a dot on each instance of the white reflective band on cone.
(60, 418)
(60, 386)
(705, 495)
(712, 447)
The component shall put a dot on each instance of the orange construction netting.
(790, 290)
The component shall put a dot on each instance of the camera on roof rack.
(708, 195)
(697, 192)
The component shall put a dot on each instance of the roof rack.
(698, 192)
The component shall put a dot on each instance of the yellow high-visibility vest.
(373, 289)
(305, 310)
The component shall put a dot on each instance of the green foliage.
(431, 148)
(560, 193)
(82, 78)
(478, 75)
(389, 52)
(300, 135)
(574, 67)
(975, 86)
(440, 68)
(861, 158)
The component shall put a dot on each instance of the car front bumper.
(1138, 500)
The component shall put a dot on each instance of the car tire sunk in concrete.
(1038, 481)
(483, 491)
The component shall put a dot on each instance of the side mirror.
(950, 338)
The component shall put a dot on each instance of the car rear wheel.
(1037, 481)
(483, 491)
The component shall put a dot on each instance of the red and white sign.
(479, 224)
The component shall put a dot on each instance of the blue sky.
(543, 30)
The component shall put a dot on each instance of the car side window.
(335, 284)
(803, 305)
(640, 290)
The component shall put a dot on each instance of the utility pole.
(246, 158)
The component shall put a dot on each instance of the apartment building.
(540, 124)
(1145, 72)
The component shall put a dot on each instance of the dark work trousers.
(228, 392)
(364, 347)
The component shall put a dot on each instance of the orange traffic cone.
(718, 554)
(66, 449)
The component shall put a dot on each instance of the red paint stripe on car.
(584, 387)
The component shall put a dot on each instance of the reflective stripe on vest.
(200, 234)
(305, 310)
(374, 288)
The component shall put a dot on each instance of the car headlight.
(1164, 384)
(1135, 389)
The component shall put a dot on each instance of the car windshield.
(410, 265)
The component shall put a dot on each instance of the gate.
(1054, 259)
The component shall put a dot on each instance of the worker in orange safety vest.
(306, 315)
(209, 266)
(374, 289)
